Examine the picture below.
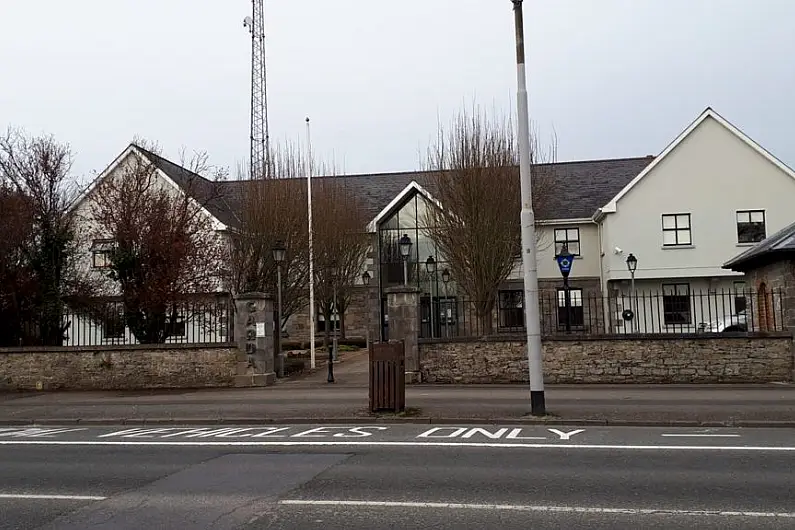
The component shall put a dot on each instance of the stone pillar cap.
(402, 289)
(253, 296)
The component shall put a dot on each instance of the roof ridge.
(435, 171)
(152, 154)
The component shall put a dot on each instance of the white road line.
(532, 508)
(701, 435)
(52, 497)
(319, 443)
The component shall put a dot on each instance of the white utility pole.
(311, 248)
(532, 318)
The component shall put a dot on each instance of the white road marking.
(566, 435)
(36, 432)
(319, 443)
(540, 508)
(701, 435)
(31, 496)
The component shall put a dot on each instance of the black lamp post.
(430, 266)
(445, 280)
(565, 260)
(366, 283)
(405, 250)
(279, 254)
(334, 341)
(632, 266)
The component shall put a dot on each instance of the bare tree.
(164, 247)
(274, 210)
(35, 173)
(341, 245)
(477, 226)
(17, 281)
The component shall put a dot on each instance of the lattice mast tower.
(260, 162)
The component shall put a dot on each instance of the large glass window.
(411, 219)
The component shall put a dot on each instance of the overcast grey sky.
(613, 78)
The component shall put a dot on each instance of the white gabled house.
(199, 321)
(708, 194)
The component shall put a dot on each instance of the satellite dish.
(248, 22)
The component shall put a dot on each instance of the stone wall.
(297, 327)
(676, 359)
(118, 367)
(779, 280)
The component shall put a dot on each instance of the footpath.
(310, 399)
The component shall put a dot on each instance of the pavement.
(334, 477)
(311, 399)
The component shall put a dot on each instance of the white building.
(682, 214)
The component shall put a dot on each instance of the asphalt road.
(729, 404)
(118, 478)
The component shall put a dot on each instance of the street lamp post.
(334, 342)
(527, 219)
(445, 280)
(366, 282)
(565, 260)
(632, 266)
(405, 250)
(430, 266)
(279, 254)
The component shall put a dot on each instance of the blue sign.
(564, 263)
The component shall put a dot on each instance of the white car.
(736, 322)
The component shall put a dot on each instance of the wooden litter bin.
(388, 376)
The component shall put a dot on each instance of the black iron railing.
(647, 312)
(106, 322)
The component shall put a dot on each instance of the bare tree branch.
(341, 245)
(477, 229)
(164, 245)
(34, 174)
(274, 210)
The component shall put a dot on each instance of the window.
(676, 229)
(511, 308)
(575, 308)
(750, 226)
(569, 237)
(100, 253)
(176, 328)
(391, 260)
(676, 304)
(113, 322)
(740, 303)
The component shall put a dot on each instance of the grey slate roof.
(580, 188)
(210, 194)
(779, 245)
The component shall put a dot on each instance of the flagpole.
(312, 315)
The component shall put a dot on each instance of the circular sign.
(628, 314)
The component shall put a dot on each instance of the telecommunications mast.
(260, 162)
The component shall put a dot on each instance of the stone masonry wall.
(681, 359)
(779, 279)
(118, 367)
(297, 327)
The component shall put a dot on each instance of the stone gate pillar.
(254, 327)
(403, 307)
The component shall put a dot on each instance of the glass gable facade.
(436, 298)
